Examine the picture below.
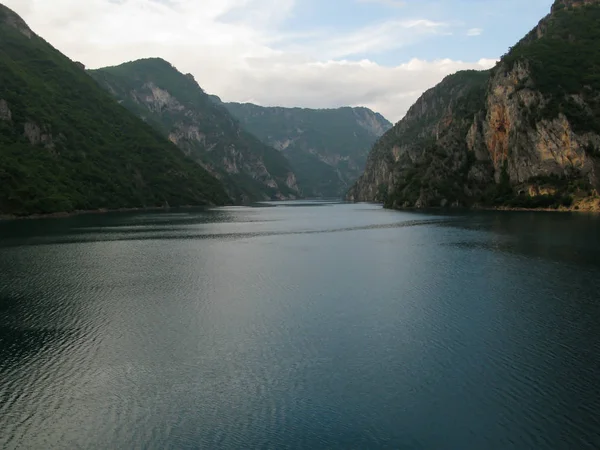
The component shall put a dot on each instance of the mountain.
(525, 134)
(328, 148)
(66, 145)
(177, 107)
(424, 158)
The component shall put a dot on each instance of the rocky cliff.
(525, 134)
(66, 145)
(327, 148)
(176, 105)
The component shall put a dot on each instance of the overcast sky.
(315, 53)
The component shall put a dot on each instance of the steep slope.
(534, 134)
(424, 158)
(66, 145)
(178, 108)
(328, 148)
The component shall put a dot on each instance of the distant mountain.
(328, 148)
(177, 107)
(66, 145)
(525, 134)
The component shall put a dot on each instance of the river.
(301, 325)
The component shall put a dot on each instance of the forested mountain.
(66, 145)
(177, 107)
(525, 134)
(327, 148)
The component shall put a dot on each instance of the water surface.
(301, 325)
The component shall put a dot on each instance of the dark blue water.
(314, 326)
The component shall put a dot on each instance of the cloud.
(391, 3)
(242, 51)
(382, 37)
(474, 32)
(388, 90)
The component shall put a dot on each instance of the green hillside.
(327, 148)
(66, 145)
(565, 62)
(176, 106)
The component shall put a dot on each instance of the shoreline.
(561, 209)
(584, 207)
(590, 208)
(81, 212)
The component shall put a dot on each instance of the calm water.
(312, 326)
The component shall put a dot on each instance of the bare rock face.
(292, 182)
(370, 122)
(38, 135)
(546, 147)
(33, 132)
(5, 113)
(184, 133)
(158, 100)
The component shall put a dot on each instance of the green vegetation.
(560, 191)
(221, 135)
(90, 152)
(428, 152)
(498, 194)
(439, 174)
(565, 62)
(432, 181)
(315, 177)
(328, 148)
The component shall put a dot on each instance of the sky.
(382, 54)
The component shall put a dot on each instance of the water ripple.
(279, 328)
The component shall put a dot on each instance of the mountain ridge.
(533, 137)
(179, 108)
(65, 145)
(327, 147)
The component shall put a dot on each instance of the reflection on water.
(293, 326)
(561, 237)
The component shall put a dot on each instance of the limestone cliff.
(424, 159)
(525, 134)
(175, 105)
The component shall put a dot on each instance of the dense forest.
(66, 145)
(178, 108)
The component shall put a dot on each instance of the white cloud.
(388, 90)
(391, 3)
(474, 32)
(380, 38)
(238, 50)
